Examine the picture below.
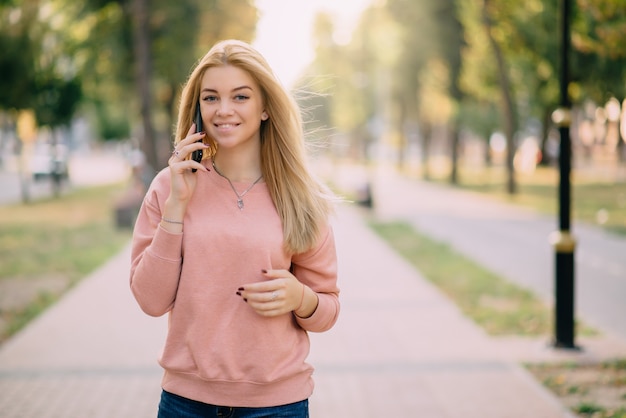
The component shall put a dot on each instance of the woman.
(236, 247)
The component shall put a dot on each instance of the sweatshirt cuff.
(324, 316)
(167, 245)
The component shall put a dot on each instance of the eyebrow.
(234, 90)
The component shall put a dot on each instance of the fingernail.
(263, 271)
(202, 133)
(238, 293)
(245, 300)
(241, 289)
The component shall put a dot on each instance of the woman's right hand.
(183, 179)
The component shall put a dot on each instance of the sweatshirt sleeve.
(317, 268)
(156, 254)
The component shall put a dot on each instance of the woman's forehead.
(227, 78)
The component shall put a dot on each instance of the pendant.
(240, 203)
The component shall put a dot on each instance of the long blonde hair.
(302, 201)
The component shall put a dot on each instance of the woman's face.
(232, 107)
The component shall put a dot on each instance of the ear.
(264, 116)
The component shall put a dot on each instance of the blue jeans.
(174, 406)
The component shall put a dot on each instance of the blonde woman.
(235, 246)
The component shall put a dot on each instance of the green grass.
(502, 308)
(498, 306)
(593, 200)
(64, 237)
(594, 390)
(16, 320)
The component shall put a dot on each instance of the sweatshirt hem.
(240, 394)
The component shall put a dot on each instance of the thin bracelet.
(169, 221)
(301, 300)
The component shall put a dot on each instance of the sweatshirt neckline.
(223, 183)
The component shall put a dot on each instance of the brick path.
(400, 349)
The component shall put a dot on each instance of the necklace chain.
(239, 196)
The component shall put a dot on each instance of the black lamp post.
(563, 241)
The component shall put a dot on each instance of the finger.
(190, 139)
(268, 308)
(275, 274)
(181, 152)
(262, 297)
(185, 165)
(186, 140)
(192, 129)
(265, 286)
(271, 312)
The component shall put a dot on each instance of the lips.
(226, 125)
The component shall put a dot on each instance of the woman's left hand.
(282, 294)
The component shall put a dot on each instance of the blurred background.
(456, 93)
(434, 87)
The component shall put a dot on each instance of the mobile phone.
(197, 155)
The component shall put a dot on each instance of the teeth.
(226, 125)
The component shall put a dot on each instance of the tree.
(479, 60)
(37, 70)
(17, 72)
(451, 41)
(63, 51)
(510, 66)
(343, 80)
(432, 39)
(143, 74)
(175, 48)
(509, 112)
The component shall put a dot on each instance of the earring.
(264, 116)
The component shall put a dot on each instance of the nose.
(223, 109)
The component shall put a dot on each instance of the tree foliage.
(483, 65)
(61, 56)
(36, 71)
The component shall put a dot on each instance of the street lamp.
(562, 240)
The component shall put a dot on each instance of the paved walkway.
(514, 242)
(400, 349)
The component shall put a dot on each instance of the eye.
(210, 98)
(241, 97)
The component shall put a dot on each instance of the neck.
(237, 167)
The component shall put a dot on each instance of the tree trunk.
(56, 176)
(454, 154)
(23, 172)
(510, 123)
(545, 133)
(620, 143)
(426, 134)
(170, 107)
(143, 70)
(401, 134)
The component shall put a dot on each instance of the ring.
(176, 153)
(274, 295)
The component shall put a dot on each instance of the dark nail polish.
(245, 300)
(238, 293)
(241, 289)
(264, 271)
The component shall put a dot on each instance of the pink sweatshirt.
(218, 349)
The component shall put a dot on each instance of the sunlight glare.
(285, 28)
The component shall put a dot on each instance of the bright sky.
(285, 28)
